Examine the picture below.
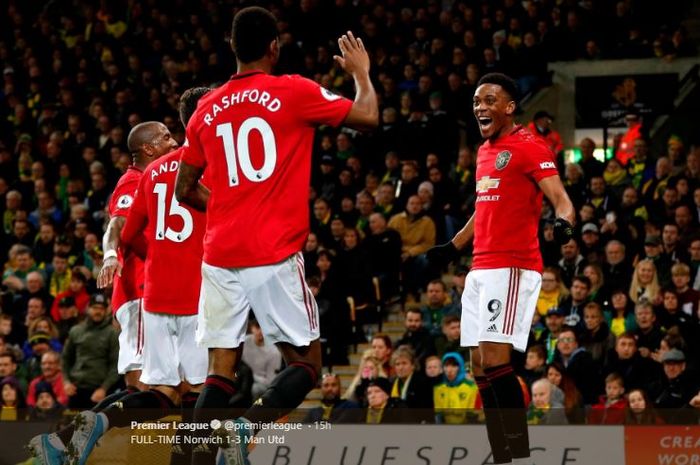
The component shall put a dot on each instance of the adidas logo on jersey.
(492, 329)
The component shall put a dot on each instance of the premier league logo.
(502, 159)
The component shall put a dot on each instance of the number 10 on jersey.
(238, 152)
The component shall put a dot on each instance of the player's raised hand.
(355, 59)
(106, 277)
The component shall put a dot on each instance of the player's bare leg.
(131, 379)
(504, 406)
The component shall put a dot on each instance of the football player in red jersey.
(173, 234)
(514, 169)
(254, 135)
(146, 142)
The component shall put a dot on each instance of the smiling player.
(513, 170)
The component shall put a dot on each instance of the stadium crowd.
(619, 311)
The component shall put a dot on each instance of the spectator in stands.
(591, 248)
(541, 126)
(625, 360)
(641, 410)
(449, 340)
(575, 183)
(320, 225)
(60, 274)
(648, 334)
(47, 407)
(591, 166)
(645, 283)
(455, 396)
(671, 316)
(594, 273)
(547, 405)
(615, 268)
(45, 326)
(11, 400)
(535, 364)
(552, 291)
(675, 390)
(417, 236)
(626, 149)
(333, 408)
(407, 185)
(9, 368)
(51, 374)
(411, 386)
(662, 210)
(437, 306)
(673, 249)
(370, 367)
(610, 410)
(382, 348)
(263, 359)
(16, 277)
(381, 407)
(68, 316)
(688, 298)
(572, 306)
(600, 197)
(652, 189)
(596, 337)
(417, 336)
(616, 177)
(573, 401)
(572, 262)
(89, 359)
(43, 246)
(579, 365)
(554, 322)
(386, 199)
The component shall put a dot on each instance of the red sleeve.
(122, 198)
(540, 162)
(317, 105)
(192, 152)
(132, 234)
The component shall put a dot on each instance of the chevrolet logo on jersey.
(486, 183)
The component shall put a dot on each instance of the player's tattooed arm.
(364, 114)
(188, 189)
(110, 244)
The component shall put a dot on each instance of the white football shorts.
(130, 318)
(498, 306)
(278, 295)
(170, 353)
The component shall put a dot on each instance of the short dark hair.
(582, 279)
(450, 318)
(507, 83)
(188, 102)
(252, 31)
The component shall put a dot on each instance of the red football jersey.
(509, 201)
(255, 134)
(128, 286)
(174, 233)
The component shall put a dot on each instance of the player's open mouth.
(485, 123)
